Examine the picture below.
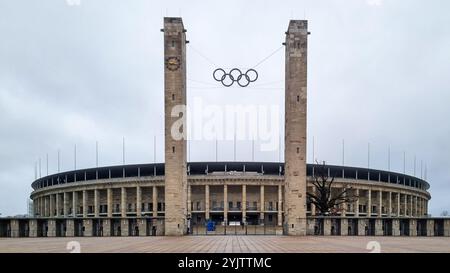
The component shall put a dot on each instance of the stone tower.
(295, 128)
(174, 131)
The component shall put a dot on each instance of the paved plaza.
(228, 244)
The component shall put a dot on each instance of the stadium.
(178, 198)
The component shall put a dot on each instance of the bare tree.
(326, 201)
(444, 213)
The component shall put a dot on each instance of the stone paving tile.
(228, 244)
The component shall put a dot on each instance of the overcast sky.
(76, 74)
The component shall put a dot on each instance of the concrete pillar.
(313, 207)
(411, 206)
(362, 223)
(66, 204)
(138, 202)
(14, 225)
(88, 228)
(70, 228)
(207, 202)
(155, 201)
(412, 227)
(416, 212)
(344, 227)
(109, 197)
(357, 203)
(46, 206)
(369, 203)
(57, 205)
(344, 204)
(51, 228)
(280, 206)
(244, 203)
(96, 203)
(405, 205)
(175, 178)
(106, 227)
(261, 206)
(395, 227)
(430, 227)
(74, 203)
(85, 210)
(326, 227)
(295, 127)
(123, 202)
(225, 204)
(142, 223)
(33, 228)
(380, 203)
(378, 227)
(398, 204)
(447, 227)
(390, 204)
(189, 201)
(52, 205)
(124, 227)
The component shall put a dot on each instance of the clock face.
(173, 63)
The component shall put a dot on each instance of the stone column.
(70, 228)
(344, 227)
(378, 227)
(412, 227)
(357, 203)
(380, 203)
(46, 206)
(261, 206)
(142, 224)
(313, 207)
(411, 206)
(362, 223)
(106, 227)
(189, 201)
(57, 205)
(416, 212)
(51, 228)
(66, 204)
(85, 210)
(369, 203)
(14, 225)
(280, 206)
(447, 227)
(74, 203)
(405, 205)
(33, 228)
(395, 227)
(225, 204)
(123, 202)
(390, 204)
(207, 202)
(430, 227)
(175, 178)
(124, 227)
(109, 200)
(344, 204)
(327, 227)
(88, 228)
(398, 204)
(155, 201)
(295, 127)
(138, 202)
(244, 203)
(96, 203)
(52, 205)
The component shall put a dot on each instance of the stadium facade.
(179, 197)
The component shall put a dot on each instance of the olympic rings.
(235, 75)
